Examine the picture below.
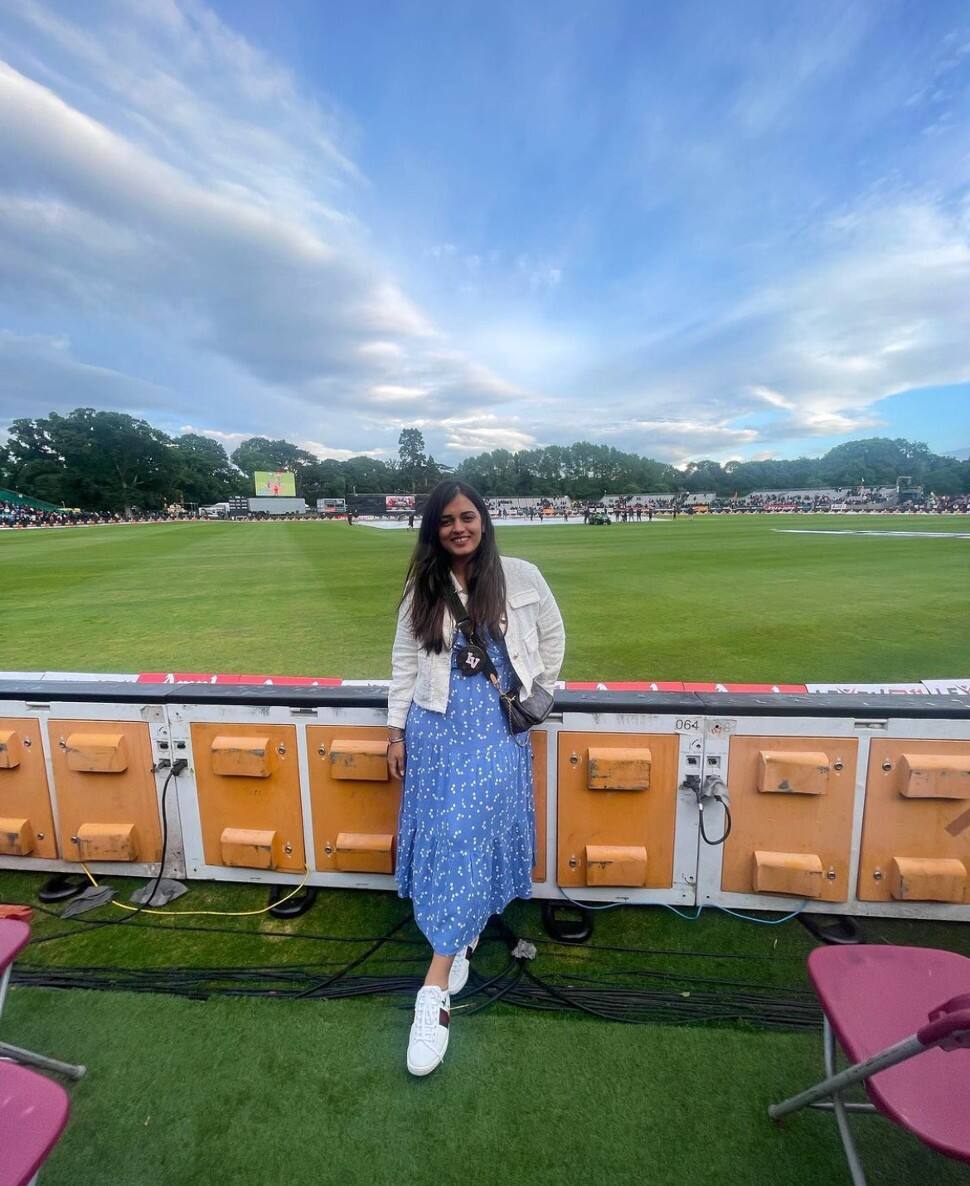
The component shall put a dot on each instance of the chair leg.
(4, 984)
(28, 1059)
(841, 1119)
(835, 1081)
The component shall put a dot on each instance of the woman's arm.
(404, 670)
(552, 634)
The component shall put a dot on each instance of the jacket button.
(515, 654)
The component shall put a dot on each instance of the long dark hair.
(429, 573)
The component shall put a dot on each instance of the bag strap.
(463, 623)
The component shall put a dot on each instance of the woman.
(466, 833)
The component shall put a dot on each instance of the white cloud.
(329, 453)
(392, 393)
(169, 188)
(480, 440)
(231, 440)
(170, 174)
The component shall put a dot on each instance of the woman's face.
(460, 529)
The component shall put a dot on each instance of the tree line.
(110, 461)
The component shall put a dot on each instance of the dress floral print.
(466, 830)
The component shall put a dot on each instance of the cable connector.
(179, 765)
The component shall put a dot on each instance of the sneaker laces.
(426, 1015)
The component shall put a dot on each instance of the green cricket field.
(767, 598)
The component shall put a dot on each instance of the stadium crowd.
(619, 508)
(628, 508)
(14, 514)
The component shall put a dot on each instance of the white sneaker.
(429, 1030)
(458, 976)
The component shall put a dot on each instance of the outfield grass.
(719, 598)
(261, 1093)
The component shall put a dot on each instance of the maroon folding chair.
(33, 1113)
(14, 936)
(902, 1017)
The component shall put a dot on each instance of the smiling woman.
(466, 833)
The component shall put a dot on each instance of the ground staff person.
(466, 832)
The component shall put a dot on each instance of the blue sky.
(690, 230)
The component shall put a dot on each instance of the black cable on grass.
(195, 928)
(491, 998)
(568, 952)
(767, 1011)
(313, 991)
(523, 989)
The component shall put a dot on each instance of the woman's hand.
(396, 759)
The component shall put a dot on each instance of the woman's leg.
(439, 969)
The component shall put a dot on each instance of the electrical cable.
(775, 1008)
(765, 922)
(177, 767)
(354, 963)
(584, 906)
(727, 820)
(569, 950)
(210, 913)
(680, 999)
(174, 771)
(680, 914)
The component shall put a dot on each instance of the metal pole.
(854, 1074)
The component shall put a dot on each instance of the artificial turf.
(265, 1093)
(698, 598)
(268, 1092)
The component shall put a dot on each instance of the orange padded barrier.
(250, 848)
(107, 842)
(10, 749)
(934, 776)
(26, 819)
(618, 769)
(16, 837)
(789, 772)
(242, 757)
(906, 823)
(107, 805)
(923, 880)
(248, 780)
(790, 797)
(353, 798)
(617, 808)
(798, 874)
(365, 853)
(359, 761)
(97, 753)
(613, 864)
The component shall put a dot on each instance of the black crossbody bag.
(521, 715)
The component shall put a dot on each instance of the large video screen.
(272, 485)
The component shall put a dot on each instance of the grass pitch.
(266, 1092)
(720, 598)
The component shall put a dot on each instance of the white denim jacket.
(535, 639)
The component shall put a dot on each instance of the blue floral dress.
(466, 830)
